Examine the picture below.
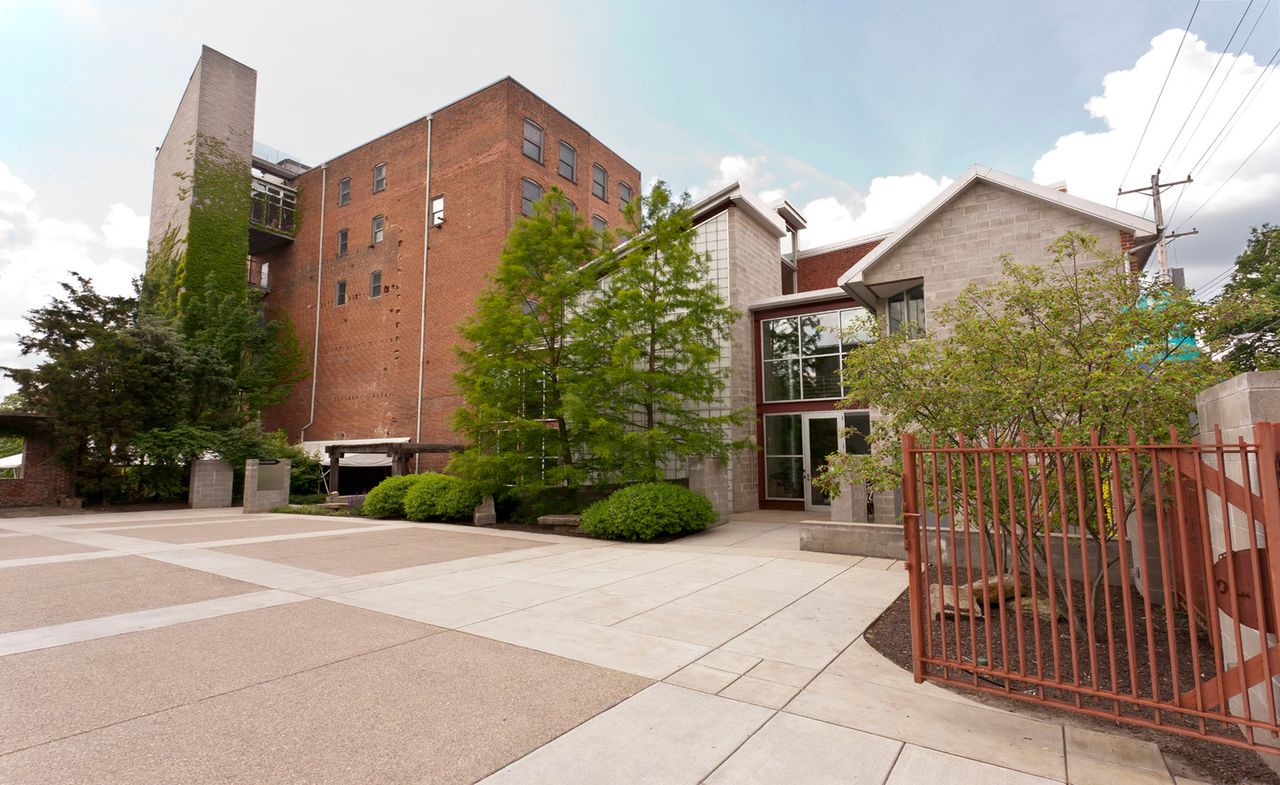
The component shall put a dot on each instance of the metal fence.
(1127, 581)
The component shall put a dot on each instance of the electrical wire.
(1205, 86)
(1274, 128)
(1163, 85)
(1225, 77)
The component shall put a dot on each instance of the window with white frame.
(344, 191)
(379, 226)
(379, 178)
(803, 355)
(375, 284)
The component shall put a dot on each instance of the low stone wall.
(266, 484)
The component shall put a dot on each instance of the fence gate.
(1126, 581)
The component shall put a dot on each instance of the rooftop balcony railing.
(272, 206)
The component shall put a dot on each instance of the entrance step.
(853, 539)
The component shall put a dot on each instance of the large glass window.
(530, 192)
(906, 313)
(783, 456)
(533, 140)
(803, 355)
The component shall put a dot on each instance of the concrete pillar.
(210, 484)
(710, 478)
(1234, 406)
(266, 484)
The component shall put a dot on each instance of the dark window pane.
(533, 141)
(599, 182)
(784, 478)
(782, 380)
(342, 293)
(782, 434)
(530, 192)
(344, 191)
(375, 283)
(598, 223)
(380, 177)
(821, 376)
(342, 242)
(780, 339)
(568, 162)
(624, 194)
(906, 313)
(857, 431)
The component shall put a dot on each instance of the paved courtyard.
(211, 646)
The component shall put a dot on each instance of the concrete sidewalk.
(202, 646)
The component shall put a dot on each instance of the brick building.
(377, 255)
(34, 476)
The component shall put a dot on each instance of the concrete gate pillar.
(1235, 406)
(266, 484)
(210, 484)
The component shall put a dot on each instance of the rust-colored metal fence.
(1127, 581)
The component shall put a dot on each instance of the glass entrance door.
(821, 438)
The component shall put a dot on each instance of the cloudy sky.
(857, 112)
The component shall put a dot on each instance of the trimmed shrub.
(439, 497)
(647, 511)
(386, 499)
(307, 498)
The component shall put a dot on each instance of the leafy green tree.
(105, 376)
(1074, 349)
(1246, 329)
(517, 353)
(646, 344)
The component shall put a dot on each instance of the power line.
(1205, 86)
(1225, 77)
(1164, 84)
(1274, 128)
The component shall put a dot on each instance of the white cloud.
(889, 201)
(1092, 163)
(38, 251)
(735, 168)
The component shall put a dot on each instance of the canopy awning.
(319, 450)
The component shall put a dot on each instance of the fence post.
(915, 558)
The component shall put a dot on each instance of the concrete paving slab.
(39, 596)
(809, 633)
(690, 623)
(598, 607)
(702, 678)
(863, 663)
(873, 588)
(1126, 751)
(783, 673)
(452, 612)
(729, 661)
(377, 551)
(665, 735)
(801, 751)
(739, 599)
(919, 766)
(120, 624)
(520, 594)
(760, 692)
(84, 686)
(1018, 742)
(25, 546)
(445, 709)
(1084, 770)
(609, 647)
(252, 527)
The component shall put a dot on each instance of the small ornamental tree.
(646, 342)
(1246, 330)
(1072, 349)
(517, 355)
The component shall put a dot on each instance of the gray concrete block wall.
(962, 243)
(210, 484)
(266, 485)
(754, 275)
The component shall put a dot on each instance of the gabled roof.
(738, 194)
(1140, 227)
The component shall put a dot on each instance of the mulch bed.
(1186, 756)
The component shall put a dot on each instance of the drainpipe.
(422, 321)
(315, 349)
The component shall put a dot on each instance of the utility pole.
(1155, 189)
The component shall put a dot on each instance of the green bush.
(439, 497)
(386, 499)
(308, 498)
(647, 511)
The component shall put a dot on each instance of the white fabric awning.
(317, 449)
(11, 461)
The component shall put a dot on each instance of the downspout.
(422, 321)
(315, 349)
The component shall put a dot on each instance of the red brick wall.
(369, 348)
(43, 480)
(821, 271)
